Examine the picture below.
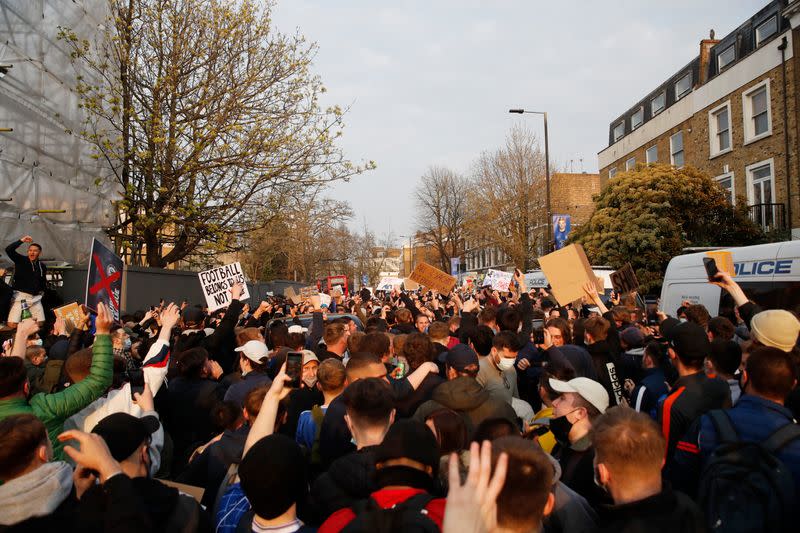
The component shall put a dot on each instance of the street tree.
(201, 108)
(441, 213)
(648, 215)
(506, 205)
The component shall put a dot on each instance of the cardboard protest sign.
(498, 280)
(308, 292)
(290, 293)
(568, 270)
(410, 285)
(388, 283)
(216, 284)
(624, 280)
(432, 278)
(724, 261)
(190, 490)
(70, 313)
(104, 279)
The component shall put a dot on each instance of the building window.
(757, 112)
(766, 29)
(726, 57)
(760, 183)
(651, 155)
(630, 164)
(637, 118)
(676, 149)
(612, 172)
(658, 103)
(683, 86)
(726, 182)
(619, 131)
(719, 129)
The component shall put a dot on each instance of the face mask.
(310, 382)
(126, 344)
(38, 342)
(560, 428)
(505, 363)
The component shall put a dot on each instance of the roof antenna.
(711, 34)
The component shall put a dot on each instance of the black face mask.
(560, 427)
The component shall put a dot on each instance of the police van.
(769, 274)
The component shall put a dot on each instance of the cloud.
(374, 59)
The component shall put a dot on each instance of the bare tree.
(506, 199)
(201, 110)
(441, 213)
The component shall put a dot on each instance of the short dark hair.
(226, 415)
(369, 401)
(597, 327)
(494, 428)
(722, 328)
(359, 361)
(253, 401)
(439, 330)
(375, 343)
(698, 314)
(509, 319)
(489, 314)
(12, 375)
(528, 484)
(21, 435)
(190, 363)
(561, 325)
(506, 339)
(771, 371)
(726, 356)
(331, 375)
(481, 339)
(36, 244)
(417, 349)
(451, 430)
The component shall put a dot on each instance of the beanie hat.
(410, 439)
(777, 328)
(124, 433)
(273, 475)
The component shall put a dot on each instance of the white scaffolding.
(50, 185)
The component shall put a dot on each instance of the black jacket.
(349, 479)
(667, 511)
(220, 344)
(407, 406)
(30, 277)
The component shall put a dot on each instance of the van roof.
(692, 264)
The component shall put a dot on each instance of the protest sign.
(290, 293)
(410, 285)
(217, 282)
(498, 280)
(325, 299)
(724, 261)
(432, 278)
(388, 283)
(307, 292)
(568, 270)
(104, 279)
(624, 280)
(70, 313)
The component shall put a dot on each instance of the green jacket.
(54, 409)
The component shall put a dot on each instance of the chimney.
(705, 55)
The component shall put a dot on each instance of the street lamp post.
(546, 169)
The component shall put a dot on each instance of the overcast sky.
(430, 82)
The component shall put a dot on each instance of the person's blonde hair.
(628, 443)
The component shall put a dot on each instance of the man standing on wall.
(30, 280)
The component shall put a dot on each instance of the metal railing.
(770, 217)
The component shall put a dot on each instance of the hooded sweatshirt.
(349, 479)
(466, 396)
(38, 493)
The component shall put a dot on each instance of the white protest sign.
(388, 283)
(216, 284)
(498, 279)
(324, 299)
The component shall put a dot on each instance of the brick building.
(570, 194)
(730, 112)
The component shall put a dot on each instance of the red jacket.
(386, 498)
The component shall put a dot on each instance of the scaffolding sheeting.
(44, 164)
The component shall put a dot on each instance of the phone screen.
(537, 331)
(711, 267)
(294, 368)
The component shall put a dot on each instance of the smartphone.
(294, 368)
(537, 331)
(711, 268)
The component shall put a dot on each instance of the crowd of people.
(398, 411)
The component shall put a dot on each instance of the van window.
(774, 295)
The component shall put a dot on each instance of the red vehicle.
(327, 284)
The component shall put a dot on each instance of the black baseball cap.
(409, 439)
(689, 341)
(460, 357)
(124, 433)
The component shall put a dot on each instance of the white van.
(768, 273)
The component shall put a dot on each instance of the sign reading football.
(217, 282)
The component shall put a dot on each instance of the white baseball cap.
(254, 350)
(309, 356)
(297, 328)
(588, 389)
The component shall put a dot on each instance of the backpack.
(744, 487)
(409, 515)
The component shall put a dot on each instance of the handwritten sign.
(216, 284)
(70, 313)
(568, 270)
(498, 280)
(388, 283)
(433, 278)
(410, 285)
(624, 280)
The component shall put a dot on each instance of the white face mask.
(505, 363)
